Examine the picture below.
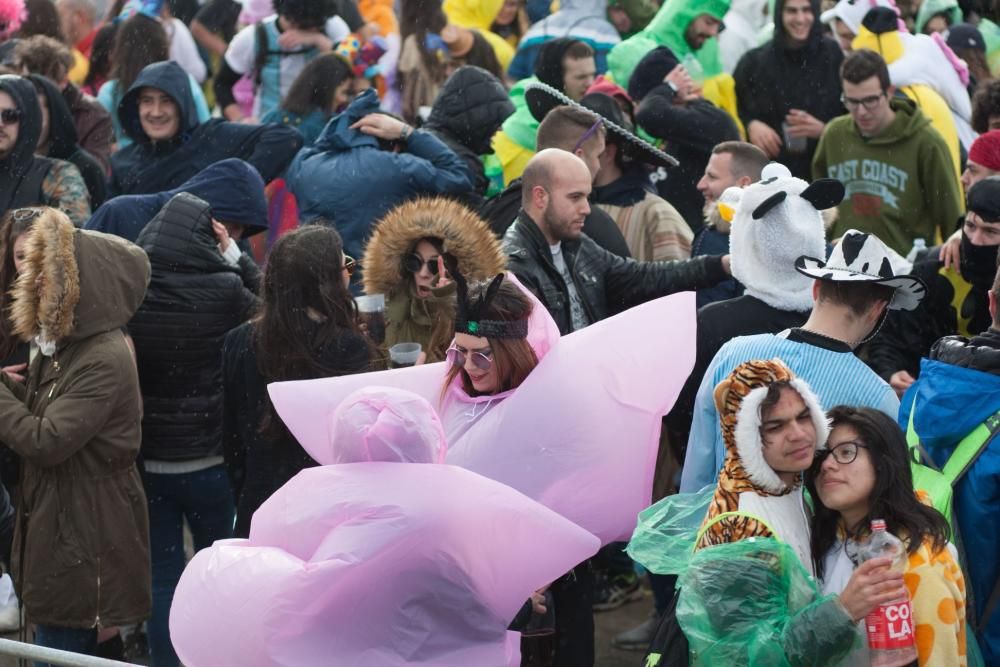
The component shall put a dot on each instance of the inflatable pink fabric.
(580, 435)
(377, 563)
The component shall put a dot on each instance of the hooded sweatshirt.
(147, 166)
(63, 143)
(233, 189)
(580, 19)
(777, 77)
(83, 521)
(30, 180)
(668, 28)
(347, 178)
(468, 111)
(900, 184)
(479, 16)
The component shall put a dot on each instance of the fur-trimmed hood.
(465, 235)
(75, 283)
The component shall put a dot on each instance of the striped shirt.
(837, 378)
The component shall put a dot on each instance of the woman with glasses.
(306, 328)
(864, 474)
(405, 260)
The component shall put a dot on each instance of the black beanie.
(984, 199)
(548, 65)
(650, 72)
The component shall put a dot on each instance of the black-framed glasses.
(869, 103)
(588, 134)
(10, 116)
(414, 263)
(25, 214)
(350, 265)
(844, 453)
(480, 360)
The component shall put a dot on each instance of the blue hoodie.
(146, 166)
(233, 189)
(949, 402)
(348, 179)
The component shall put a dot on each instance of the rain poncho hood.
(521, 127)
(584, 20)
(377, 562)
(619, 392)
(667, 29)
(479, 15)
(232, 187)
(930, 8)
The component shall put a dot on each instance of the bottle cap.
(878, 524)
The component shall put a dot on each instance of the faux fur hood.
(465, 236)
(75, 283)
(738, 399)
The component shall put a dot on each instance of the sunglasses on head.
(350, 265)
(25, 214)
(10, 116)
(414, 262)
(480, 360)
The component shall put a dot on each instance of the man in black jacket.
(672, 109)
(579, 282)
(956, 301)
(171, 146)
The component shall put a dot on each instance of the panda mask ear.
(824, 193)
(768, 204)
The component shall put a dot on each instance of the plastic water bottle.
(694, 69)
(919, 245)
(890, 626)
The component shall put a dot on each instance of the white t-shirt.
(184, 51)
(241, 56)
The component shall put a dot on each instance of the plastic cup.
(404, 354)
(371, 310)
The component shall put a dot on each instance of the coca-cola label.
(890, 626)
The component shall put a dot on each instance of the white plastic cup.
(404, 354)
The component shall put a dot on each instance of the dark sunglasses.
(10, 116)
(350, 265)
(413, 263)
(456, 357)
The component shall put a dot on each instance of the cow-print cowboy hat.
(862, 257)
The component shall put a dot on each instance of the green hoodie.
(521, 126)
(667, 29)
(900, 184)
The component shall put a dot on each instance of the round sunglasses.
(414, 263)
(480, 360)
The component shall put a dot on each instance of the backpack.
(940, 484)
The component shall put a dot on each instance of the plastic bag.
(752, 603)
(663, 541)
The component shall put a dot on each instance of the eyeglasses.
(844, 453)
(588, 134)
(869, 103)
(350, 265)
(480, 360)
(25, 214)
(10, 116)
(413, 263)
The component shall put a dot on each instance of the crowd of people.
(203, 200)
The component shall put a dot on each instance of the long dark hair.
(43, 19)
(315, 85)
(305, 312)
(100, 55)
(10, 230)
(892, 499)
(513, 358)
(419, 17)
(140, 41)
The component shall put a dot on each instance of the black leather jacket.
(607, 284)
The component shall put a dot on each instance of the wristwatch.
(673, 87)
(405, 133)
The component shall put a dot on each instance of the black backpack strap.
(261, 52)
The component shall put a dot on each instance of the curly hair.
(985, 103)
(41, 54)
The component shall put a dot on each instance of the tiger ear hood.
(738, 400)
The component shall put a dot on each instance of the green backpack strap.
(726, 515)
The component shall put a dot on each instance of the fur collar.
(47, 290)
(465, 236)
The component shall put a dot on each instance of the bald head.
(77, 18)
(554, 190)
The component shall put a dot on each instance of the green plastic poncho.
(664, 538)
(929, 8)
(752, 603)
(667, 29)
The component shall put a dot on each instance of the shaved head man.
(554, 194)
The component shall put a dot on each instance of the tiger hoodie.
(767, 507)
